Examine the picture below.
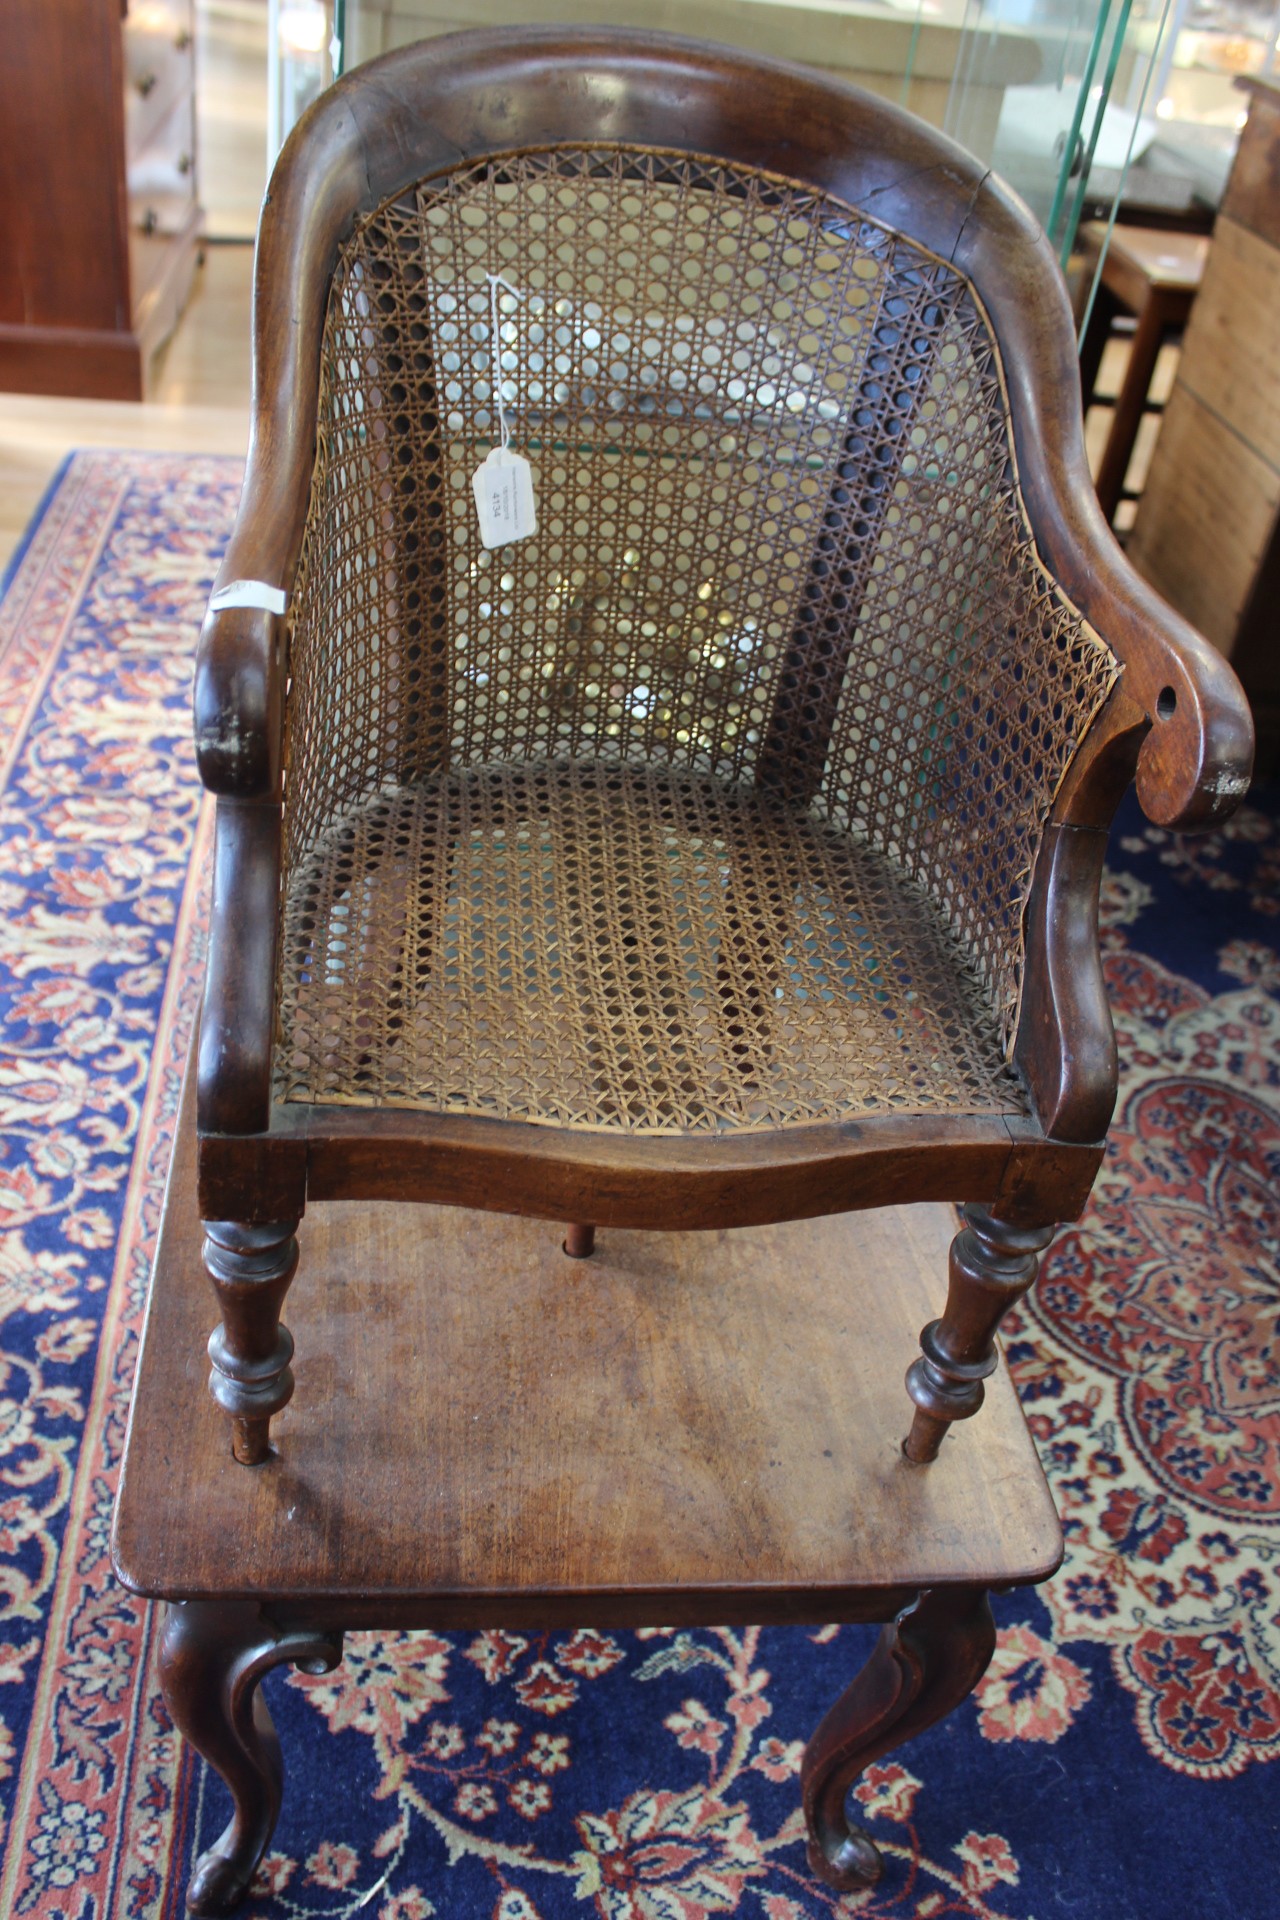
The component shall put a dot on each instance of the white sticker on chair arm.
(503, 489)
(250, 593)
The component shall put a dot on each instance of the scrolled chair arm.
(1195, 755)
(241, 663)
(239, 731)
(1177, 721)
(1195, 762)
(238, 702)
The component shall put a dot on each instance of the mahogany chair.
(728, 851)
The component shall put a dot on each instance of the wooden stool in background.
(693, 1428)
(1154, 276)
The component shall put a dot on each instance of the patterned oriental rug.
(1114, 1764)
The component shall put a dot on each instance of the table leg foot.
(212, 1657)
(992, 1265)
(924, 1664)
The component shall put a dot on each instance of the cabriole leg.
(992, 1265)
(250, 1268)
(924, 1664)
(212, 1656)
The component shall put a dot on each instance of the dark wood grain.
(673, 1180)
(64, 229)
(657, 1182)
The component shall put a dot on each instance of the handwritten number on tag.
(503, 489)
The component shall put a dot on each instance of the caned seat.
(726, 849)
(584, 943)
(713, 804)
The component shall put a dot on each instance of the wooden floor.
(201, 403)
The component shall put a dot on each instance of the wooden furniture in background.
(99, 225)
(1148, 196)
(1207, 535)
(702, 1437)
(728, 853)
(1153, 275)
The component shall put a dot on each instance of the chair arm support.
(238, 1012)
(1195, 762)
(1065, 1043)
(238, 701)
(241, 659)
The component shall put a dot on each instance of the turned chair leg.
(924, 1664)
(212, 1656)
(992, 1265)
(579, 1242)
(250, 1268)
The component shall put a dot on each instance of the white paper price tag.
(503, 488)
(250, 593)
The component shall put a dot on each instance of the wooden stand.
(687, 1429)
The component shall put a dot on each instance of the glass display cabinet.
(1084, 106)
(1044, 89)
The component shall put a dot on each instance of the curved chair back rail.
(447, 101)
(797, 380)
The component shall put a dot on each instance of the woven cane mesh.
(714, 803)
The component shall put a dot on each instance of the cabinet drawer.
(162, 178)
(159, 67)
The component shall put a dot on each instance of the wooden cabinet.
(99, 219)
(1207, 535)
